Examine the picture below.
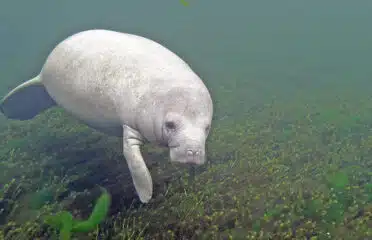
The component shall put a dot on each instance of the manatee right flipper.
(26, 100)
(132, 140)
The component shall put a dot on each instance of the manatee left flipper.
(26, 100)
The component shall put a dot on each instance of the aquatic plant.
(66, 224)
(288, 170)
(184, 3)
(339, 196)
(9, 196)
(368, 188)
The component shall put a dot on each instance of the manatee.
(127, 86)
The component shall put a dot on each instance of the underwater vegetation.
(66, 224)
(184, 3)
(285, 170)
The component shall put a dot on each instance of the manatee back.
(100, 76)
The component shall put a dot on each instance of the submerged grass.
(284, 171)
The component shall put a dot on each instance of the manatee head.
(186, 125)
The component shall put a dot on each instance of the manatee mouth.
(173, 145)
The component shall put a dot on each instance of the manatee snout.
(190, 151)
(195, 156)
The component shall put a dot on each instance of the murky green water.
(290, 150)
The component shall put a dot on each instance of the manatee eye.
(170, 125)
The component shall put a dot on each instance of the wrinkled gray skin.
(128, 86)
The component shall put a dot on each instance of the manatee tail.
(26, 100)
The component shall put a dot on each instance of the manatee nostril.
(194, 156)
(193, 152)
(190, 153)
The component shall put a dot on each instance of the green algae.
(66, 224)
